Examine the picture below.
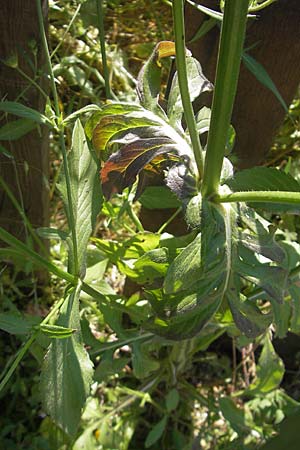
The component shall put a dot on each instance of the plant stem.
(290, 198)
(67, 31)
(229, 58)
(60, 127)
(261, 5)
(20, 210)
(100, 15)
(178, 18)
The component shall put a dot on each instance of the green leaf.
(14, 130)
(234, 415)
(67, 371)
(143, 364)
(197, 84)
(263, 77)
(158, 197)
(288, 434)
(86, 193)
(263, 179)
(205, 27)
(270, 370)
(172, 400)
(203, 120)
(156, 433)
(247, 315)
(80, 112)
(52, 233)
(148, 86)
(56, 331)
(20, 110)
(17, 324)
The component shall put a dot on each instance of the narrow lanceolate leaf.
(263, 77)
(198, 83)
(56, 331)
(20, 110)
(67, 371)
(14, 130)
(86, 192)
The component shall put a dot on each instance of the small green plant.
(231, 271)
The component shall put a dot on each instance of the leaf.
(263, 77)
(247, 316)
(211, 12)
(67, 371)
(158, 197)
(148, 86)
(56, 331)
(86, 194)
(51, 233)
(205, 27)
(84, 110)
(270, 370)
(288, 436)
(20, 110)
(172, 400)
(141, 138)
(263, 179)
(203, 120)
(143, 364)
(234, 415)
(14, 130)
(122, 167)
(197, 84)
(17, 324)
(156, 433)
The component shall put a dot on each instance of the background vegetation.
(218, 389)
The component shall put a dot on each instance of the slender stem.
(20, 210)
(20, 354)
(31, 81)
(230, 52)
(260, 6)
(100, 15)
(35, 257)
(67, 31)
(60, 124)
(290, 198)
(178, 18)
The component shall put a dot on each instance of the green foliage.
(230, 272)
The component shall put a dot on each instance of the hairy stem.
(291, 198)
(178, 18)
(230, 52)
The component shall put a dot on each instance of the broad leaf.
(265, 179)
(67, 371)
(270, 370)
(197, 84)
(141, 138)
(16, 323)
(86, 194)
(158, 197)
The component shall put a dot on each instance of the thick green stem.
(100, 14)
(60, 127)
(178, 18)
(230, 52)
(290, 198)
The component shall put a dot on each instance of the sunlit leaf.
(67, 371)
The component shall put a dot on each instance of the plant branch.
(60, 127)
(178, 18)
(290, 198)
(229, 58)
(100, 14)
